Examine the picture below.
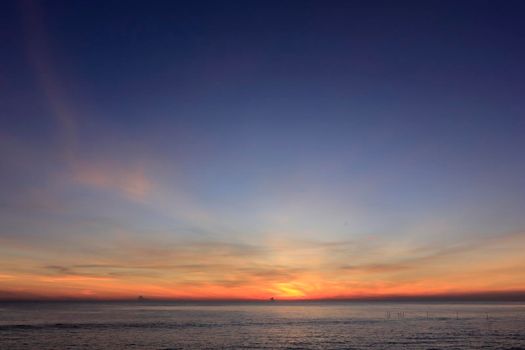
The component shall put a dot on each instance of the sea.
(261, 325)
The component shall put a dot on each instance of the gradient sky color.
(249, 149)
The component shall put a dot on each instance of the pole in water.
(457, 315)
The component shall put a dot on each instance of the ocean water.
(278, 325)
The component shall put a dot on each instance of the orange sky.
(336, 161)
(126, 268)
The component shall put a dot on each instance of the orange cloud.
(159, 268)
(128, 180)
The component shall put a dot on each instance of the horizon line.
(489, 296)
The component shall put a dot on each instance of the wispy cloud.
(129, 180)
(183, 268)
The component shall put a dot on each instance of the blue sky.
(260, 125)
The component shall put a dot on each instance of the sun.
(289, 290)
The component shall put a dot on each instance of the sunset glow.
(219, 162)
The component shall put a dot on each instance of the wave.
(175, 325)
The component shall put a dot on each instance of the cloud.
(41, 58)
(375, 268)
(129, 180)
(173, 267)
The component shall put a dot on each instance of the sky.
(257, 149)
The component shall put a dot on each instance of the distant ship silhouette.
(141, 298)
(272, 299)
